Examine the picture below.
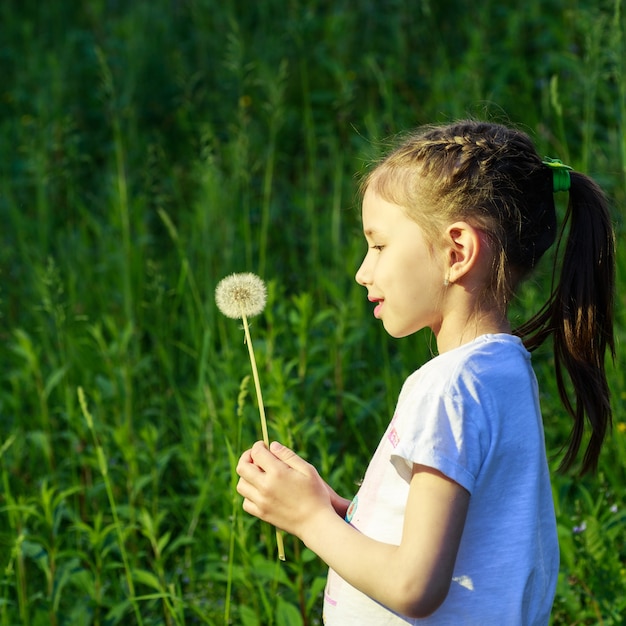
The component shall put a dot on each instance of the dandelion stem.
(259, 397)
(255, 376)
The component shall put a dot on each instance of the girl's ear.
(463, 247)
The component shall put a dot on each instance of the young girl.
(454, 521)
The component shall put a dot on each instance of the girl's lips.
(379, 305)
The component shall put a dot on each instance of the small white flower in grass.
(240, 295)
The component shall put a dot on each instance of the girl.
(454, 521)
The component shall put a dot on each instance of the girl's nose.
(362, 274)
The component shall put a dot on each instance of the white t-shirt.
(473, 414)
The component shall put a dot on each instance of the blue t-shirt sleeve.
(448, 432)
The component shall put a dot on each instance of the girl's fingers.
(290, 458)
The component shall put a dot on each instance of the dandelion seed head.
(241, 294)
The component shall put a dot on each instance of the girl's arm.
(413, 578)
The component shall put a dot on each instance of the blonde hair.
(485, 174)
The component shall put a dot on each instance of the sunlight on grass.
(151, 148)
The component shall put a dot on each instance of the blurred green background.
(147, 149)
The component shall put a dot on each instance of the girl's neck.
(458, 330)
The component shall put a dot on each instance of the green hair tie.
(560, 174)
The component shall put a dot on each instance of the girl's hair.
(491, 176)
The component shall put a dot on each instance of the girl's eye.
(378, 248)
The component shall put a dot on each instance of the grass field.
(148, 149)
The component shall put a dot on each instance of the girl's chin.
(399, 332)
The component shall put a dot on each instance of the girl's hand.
(412, 578)
(281, 488)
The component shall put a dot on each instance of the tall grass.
(147, 149)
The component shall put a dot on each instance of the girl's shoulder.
(484, 360)
(489, 350)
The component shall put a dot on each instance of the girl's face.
(403, 274)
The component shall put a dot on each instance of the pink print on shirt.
(392, 434)
(393, 437)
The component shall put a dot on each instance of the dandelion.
(240, 296)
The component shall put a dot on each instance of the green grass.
(147, 149)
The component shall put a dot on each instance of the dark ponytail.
(579, 316)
